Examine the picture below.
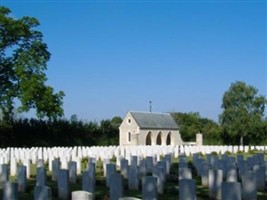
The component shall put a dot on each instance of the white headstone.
(63, 184)
(213, 161)
(81, 195)
(27, 163)
(249, 185)
(78, 165)
(205, 167)
(116, 186)
(111, 169)
(185, 173)
(22, 179)
(250, 163)
(159, 174)
(40, 163)
(42, 193)
(55, 169)
(91, 166)
(215, 181)
(133, 182)
(221, 164)
(10, 191)
(168, 160)
(41, 176)
(72, 172)
(4, 174)
(133, 161)
(88, 182)
(231, 191)
(142, 169)
(231, 174)
(64, 162)
(260, 176)
(149, 164)
(149, 188)
(13, 166)
(105, 162)
(187, 189)
(124, 168)
(182, 161)
(163, 165)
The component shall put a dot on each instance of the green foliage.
(214, 153)
(192, 123)
(188, 124)
(37, 132)
(212, 132)
(243, 112)
(252, 151)
(116, 122)
(227, 153)
(23, 58)
(108, 133)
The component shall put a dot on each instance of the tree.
(192, 123)
(108, 134)
(73, 118)
(243, 112)
(211, 132)
(188, 124)
(116, 122)
(23, 58)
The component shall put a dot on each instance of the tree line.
(61, 132)
(23, 62)
(23, 132)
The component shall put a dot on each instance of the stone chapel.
(148, 128)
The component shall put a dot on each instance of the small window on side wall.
(129, 136)
(129, 121)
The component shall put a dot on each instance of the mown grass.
(171, 191)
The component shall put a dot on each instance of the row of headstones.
(132, 173)
(10, 192)
(41, 191)
(64, 162)
(205, 149)
(150, 162)
(230, 189)
(101, 153)
(151, 185)
(226, 190)
(221, 176)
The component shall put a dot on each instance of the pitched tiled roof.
(147, 120)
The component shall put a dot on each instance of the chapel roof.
(150, 120)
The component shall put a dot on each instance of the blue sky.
(110, 57)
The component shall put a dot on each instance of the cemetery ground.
(171, 188)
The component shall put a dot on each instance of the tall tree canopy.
(23, 58)
(243, 112)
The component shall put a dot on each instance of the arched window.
(168, 139)
(149, 139)
(159, 139)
